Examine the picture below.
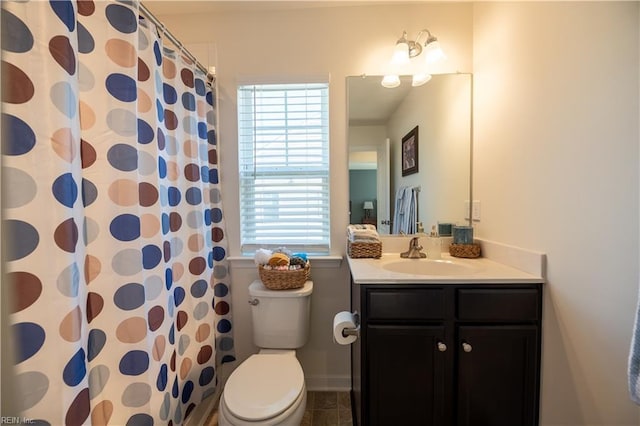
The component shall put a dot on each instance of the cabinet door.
(406, 373)
(497, 382)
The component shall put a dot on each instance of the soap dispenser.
(434, 245)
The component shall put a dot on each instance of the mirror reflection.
(430, 181)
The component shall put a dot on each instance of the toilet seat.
(276, 382)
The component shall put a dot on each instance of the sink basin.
(429, 267)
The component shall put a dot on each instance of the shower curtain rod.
(147, 14)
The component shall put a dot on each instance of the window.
(283, 142)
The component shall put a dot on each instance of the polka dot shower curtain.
(115, 249)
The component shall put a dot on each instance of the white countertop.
(530, 268)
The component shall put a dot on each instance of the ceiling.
(176, 7)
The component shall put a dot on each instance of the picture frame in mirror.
(410, 152)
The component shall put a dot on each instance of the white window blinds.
(283, 142)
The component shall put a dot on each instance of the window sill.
(316, 261)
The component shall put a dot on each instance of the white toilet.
(268, 388)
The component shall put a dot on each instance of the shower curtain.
(115, 248)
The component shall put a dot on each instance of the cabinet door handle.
(466, 347)
(442, 347)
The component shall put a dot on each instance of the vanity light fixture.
(404, 52)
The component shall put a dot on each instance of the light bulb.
(390, 81)
(420, 79)
(433, 52)
(400, 54)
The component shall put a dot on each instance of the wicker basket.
(465, 250)
(362, 250)
(274, 279)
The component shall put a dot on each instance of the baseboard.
(328, 383)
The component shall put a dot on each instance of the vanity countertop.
(481, 270)
(500, 264)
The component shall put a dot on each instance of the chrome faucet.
(414, 250)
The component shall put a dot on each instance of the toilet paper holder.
(353, 331)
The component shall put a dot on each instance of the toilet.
(268, 388)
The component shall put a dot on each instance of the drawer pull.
(442, 347)
(466, 347)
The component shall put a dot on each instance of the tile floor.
(323, 409)
(327, 409)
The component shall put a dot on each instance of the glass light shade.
(400, 54)
(368, 205)
(433, 52)
(420, 79)
(390, 81)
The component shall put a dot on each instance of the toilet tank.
(280, 317)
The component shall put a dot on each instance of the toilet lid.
(263, 386)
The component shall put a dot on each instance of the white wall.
(556, 161)
(556, 169)
(366, 137)
(293, 43)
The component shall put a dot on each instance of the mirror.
(380, 118)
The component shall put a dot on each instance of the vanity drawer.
(414, 304)
(518, 304)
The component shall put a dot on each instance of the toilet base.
(292, 416)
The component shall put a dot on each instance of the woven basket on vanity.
(364, 250)
(465, 250)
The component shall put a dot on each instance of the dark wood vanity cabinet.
(454, 354)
